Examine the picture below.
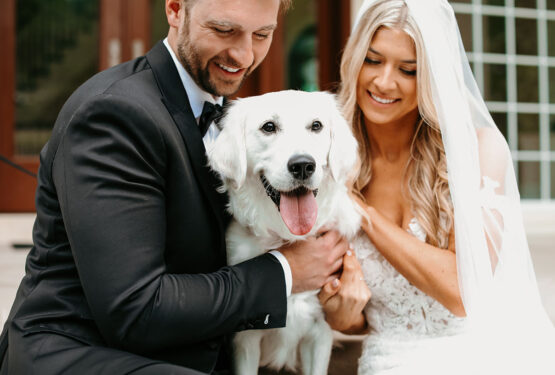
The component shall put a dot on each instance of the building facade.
(51, 47)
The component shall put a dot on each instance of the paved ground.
(539, 222)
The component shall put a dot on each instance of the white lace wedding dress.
(412, 333)
(405, 322)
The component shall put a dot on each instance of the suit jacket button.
(213, 345)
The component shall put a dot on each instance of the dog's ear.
(342, 155)
(228, 154)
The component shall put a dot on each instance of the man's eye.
(223, 31)
(269, 127)
(261, 36)
(316, 126)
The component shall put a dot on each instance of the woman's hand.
(365, 210)
(344, 299)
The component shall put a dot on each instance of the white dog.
(284, 159)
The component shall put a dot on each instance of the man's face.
(220, 42)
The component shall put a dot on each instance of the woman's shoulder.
(493, 152)
(490, 137)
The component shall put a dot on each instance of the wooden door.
(49, 49)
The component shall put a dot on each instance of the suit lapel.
(176, 101)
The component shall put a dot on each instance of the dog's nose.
(301, 166)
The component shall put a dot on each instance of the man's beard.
(190, 59)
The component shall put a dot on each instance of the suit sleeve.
(109, 174)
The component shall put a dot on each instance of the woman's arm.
(431, 269)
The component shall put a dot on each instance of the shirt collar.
(196, 95)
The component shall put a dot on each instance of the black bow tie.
(210, 113)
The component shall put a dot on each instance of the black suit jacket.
(129, 245)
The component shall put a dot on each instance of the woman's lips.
(382, 100)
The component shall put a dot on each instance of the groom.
(127, 273)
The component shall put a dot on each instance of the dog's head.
(284, 146)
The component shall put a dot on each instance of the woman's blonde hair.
(427, 168)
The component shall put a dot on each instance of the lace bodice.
(401, 316)
(397, 308)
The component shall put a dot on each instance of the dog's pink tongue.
(298, 212)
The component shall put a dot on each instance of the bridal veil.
(509, 327)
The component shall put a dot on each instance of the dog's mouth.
(298, 207)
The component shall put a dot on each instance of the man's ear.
(228, 154)
(173, 7)
(342, 155)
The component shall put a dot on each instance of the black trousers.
(57, 355)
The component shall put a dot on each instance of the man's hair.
(284, 5)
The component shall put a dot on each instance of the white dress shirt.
(197, 97)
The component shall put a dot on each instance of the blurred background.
(50, 47)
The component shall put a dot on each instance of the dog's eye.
(316, 126)
(269, 127)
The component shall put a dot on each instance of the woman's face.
(386, 86)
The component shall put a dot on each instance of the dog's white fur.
(241, 153)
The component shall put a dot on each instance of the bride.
(443, 249)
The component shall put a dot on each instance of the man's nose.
(242, 52)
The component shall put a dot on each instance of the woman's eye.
(370, 61)
(316, 126)
(269, 127)
(409, 72)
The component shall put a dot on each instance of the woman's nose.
(385, 79)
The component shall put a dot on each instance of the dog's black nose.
(301, 166)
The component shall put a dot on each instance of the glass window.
(528, 131)
(301, 64)
(552, 180)
(495, 82)
(551, 37)
(529, 179)
(500, 119)
(552, 132)
(552, 85)
(465, 26)
(56, 51)
(525, 3)
(527, 83)
(526, 36)
(494, 34)
(497, 90)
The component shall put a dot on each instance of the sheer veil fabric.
(509, 328)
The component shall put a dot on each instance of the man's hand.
(316, 261)
(343, 300)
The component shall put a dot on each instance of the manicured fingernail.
(349, 252)
(335, 283)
